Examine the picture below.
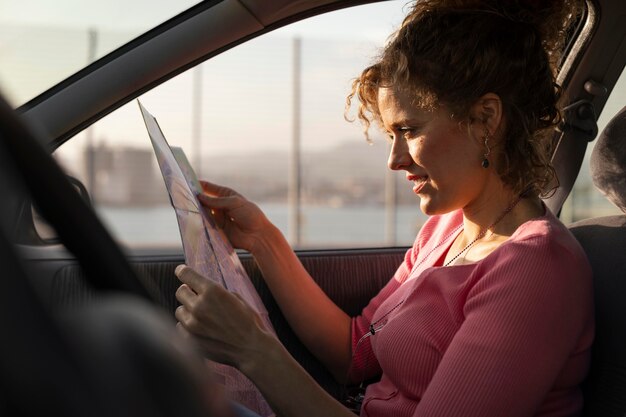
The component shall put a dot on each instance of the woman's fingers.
(195, 281)
(188, 325)
(198, 292)
(187, 320)
(182, 331)
(220, 202)
(217, 197)
(186, 296)
(188, 312)
(216, 190)
(182, 315)
(192, 295)
(222, 323)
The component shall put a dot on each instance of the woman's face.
(440, 158)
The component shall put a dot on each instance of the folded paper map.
(207, 250)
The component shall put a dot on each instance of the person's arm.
(231, 332)
(523, 320)
(322, 326)
(319, 323)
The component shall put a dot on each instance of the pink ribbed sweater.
(507, 336)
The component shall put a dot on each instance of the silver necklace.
(484, 231)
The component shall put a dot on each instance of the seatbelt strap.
(578, 128)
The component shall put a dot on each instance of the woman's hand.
(319, 323)
(242, 221)
(227, 329)
(231, 332)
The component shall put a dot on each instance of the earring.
(485, 162)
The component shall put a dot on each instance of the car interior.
(89, 326)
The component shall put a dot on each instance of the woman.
(490, 313)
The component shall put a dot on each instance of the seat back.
(604, 241)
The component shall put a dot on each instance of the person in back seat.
(491, 312)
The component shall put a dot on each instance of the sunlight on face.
(440, 158)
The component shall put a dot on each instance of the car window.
(586, 200)
(42, 42)
(236, 118)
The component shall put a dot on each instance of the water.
(322, 226)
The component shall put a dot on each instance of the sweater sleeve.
(527, 312)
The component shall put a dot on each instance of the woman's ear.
(487, 113)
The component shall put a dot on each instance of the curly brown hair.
(452, 52)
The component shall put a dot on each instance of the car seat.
(604, 241)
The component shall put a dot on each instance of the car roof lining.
(267, 13)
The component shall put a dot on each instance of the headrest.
(608, 161)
